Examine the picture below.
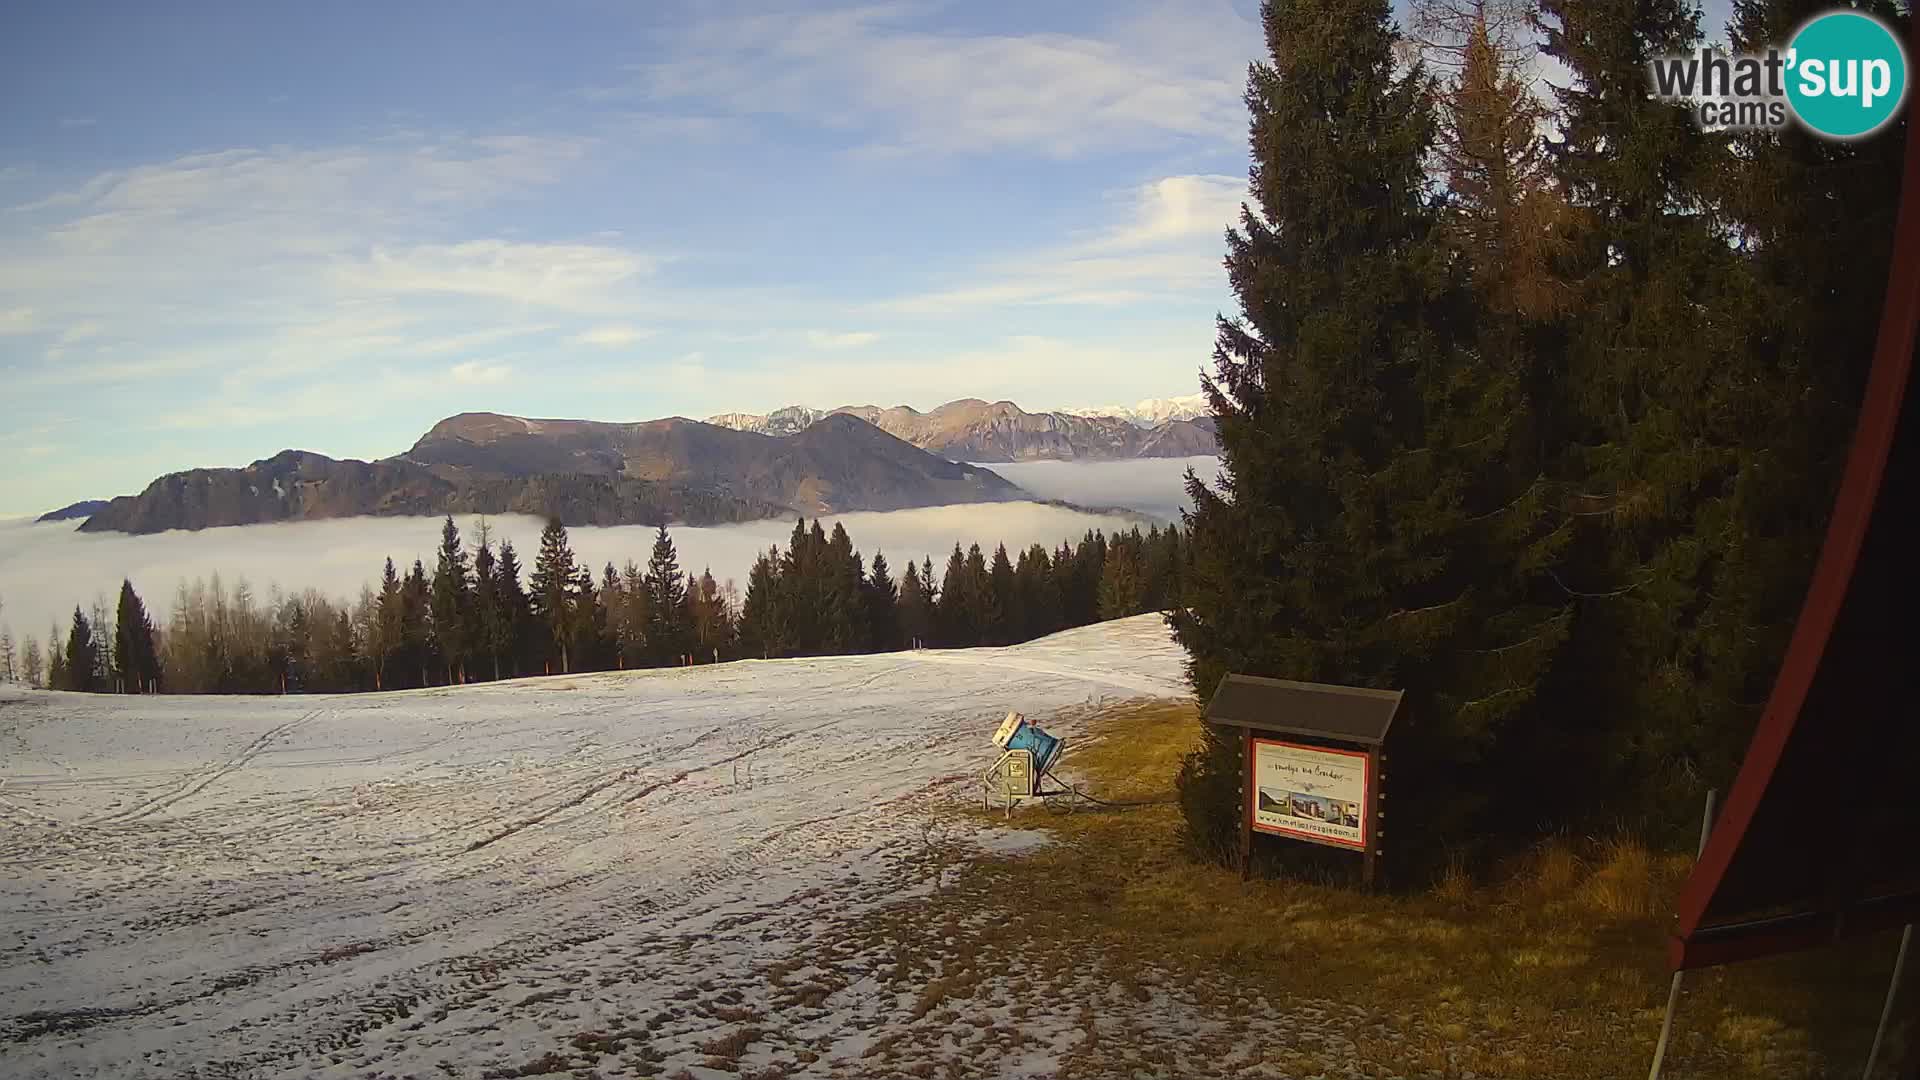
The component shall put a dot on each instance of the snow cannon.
(1018, 733)
(1027, 754)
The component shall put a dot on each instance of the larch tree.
(32, 664)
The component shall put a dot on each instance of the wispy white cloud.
(19, 320)
(1167, 240)
(475, 373)
(822, 339)
(574, 277)
(1150, 74)
(461, 342)
(611, 336)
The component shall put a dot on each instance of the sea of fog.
(45, 569)
(1153, 486)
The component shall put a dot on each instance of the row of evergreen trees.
(98, 653)
(1542, 430)
(480, 615)
(818, 597)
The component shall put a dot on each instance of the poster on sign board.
(1311, 792)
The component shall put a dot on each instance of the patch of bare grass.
(1553, 969)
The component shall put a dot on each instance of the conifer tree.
(1121, 585)
(1005, 613)
(712, 619)
(514, 628)
(1039, 594)
(633, 616)
(1367, 531)
(549, 587)
(981, 609)
(389, 623)
(584, 621)
(954, 612)
(882, 601)
(136, 661)
(452, 601)
(416, 631)
(610, 603)
(82, 655)
(9, 662)
(489, 615)
(762, 627)
(845, 623)
(1673, 455)
(916, 611)
(666, 602)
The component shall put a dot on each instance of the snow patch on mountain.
(1150, 412)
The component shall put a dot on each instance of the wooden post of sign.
(1371, 839)
(1248, 800)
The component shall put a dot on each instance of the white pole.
(1673, 989)
(1893, 988)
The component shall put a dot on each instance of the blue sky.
(229, 229)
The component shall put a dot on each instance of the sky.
(231, 229)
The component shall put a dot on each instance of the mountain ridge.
(972, 429)
(585, 472)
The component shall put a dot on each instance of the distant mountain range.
(980, 431)
(584, 472)
(83, 509)
(1152, 412)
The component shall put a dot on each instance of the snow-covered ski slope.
(443, 882)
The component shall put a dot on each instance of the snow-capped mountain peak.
(1152, 412)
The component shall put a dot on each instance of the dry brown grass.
(1554, 969)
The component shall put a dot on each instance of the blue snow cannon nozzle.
(1016, 733)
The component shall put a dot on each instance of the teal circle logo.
(1847, 74)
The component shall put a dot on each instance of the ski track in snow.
(445, 881)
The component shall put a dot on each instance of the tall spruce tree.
(667, 638)
(550, 586)
(452, 603)
(514, 628)
(882, 604)
(136, 661)
(416, 627)
(1670, 450)
(1005, 613)
(845, 629)
(954, 617)
(489, 616)
(1370, 529)
(763, 630)
(390, 620)
(82, 655)
(916, 611)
